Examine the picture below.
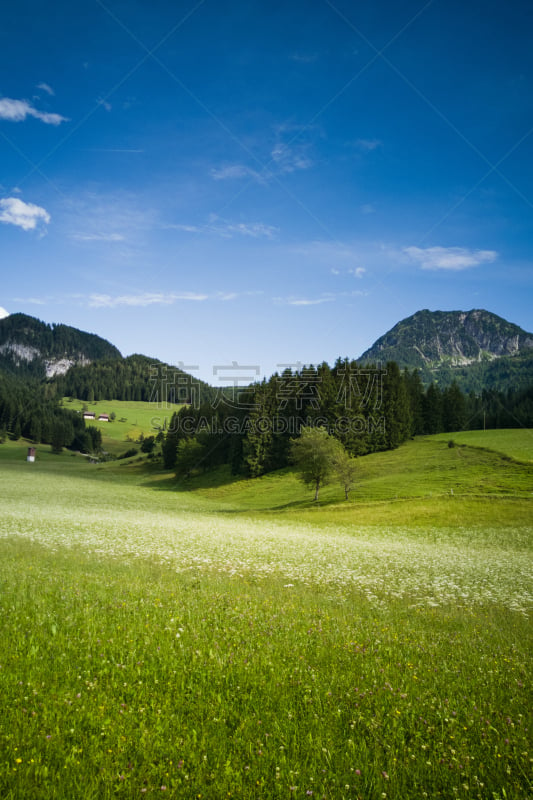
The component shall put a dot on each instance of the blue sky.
(264, 183)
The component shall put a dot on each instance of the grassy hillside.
(514, 442)
(133, 418)
(237, 641)
(422, 481)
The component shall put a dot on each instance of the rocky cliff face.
(33, 348)
(431, 339)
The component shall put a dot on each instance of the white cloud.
(18, 110)
(3, 313)
(357, 272)
(143, 299)
(104, 104)
(368, 208)
(46, 88)
(450, 258)
(27, 216)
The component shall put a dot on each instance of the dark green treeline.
(367, 408)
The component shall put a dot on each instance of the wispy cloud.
(226, 296)
(368, 208)
(143, 299)
(18, 110)
(28, 216)
(357, 272)
(303, 301)
(46, 88)
(292, 148)
(254, 229)
(287, 149)
(112, 150)
(107, 217)
(104, 104)
(304, 58)
(236, 171)
(98, 237)
(290, 159)
(227, 229)
(337, 255)
(367, 145)
(34, 301)
(449, 258)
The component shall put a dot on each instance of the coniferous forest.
(28, 408)
(367, 408)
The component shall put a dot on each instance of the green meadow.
(223, 637)
(516, 442)
(132, 418)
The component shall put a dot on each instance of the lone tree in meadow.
(314, 453)
(345, 468)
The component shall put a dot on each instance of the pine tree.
(453, 408)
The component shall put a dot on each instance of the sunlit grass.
(121, 679)
(181, 643)
(514, 442)
(132, 418)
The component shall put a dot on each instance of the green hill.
(134, 378)
(422, 479)
(132, 420)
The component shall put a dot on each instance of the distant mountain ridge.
(31, 348)
(477, 347)
(84, 365)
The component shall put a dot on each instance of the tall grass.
(123, 680)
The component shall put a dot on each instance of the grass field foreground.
(179, 643)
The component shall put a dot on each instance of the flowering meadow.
(152, 643)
